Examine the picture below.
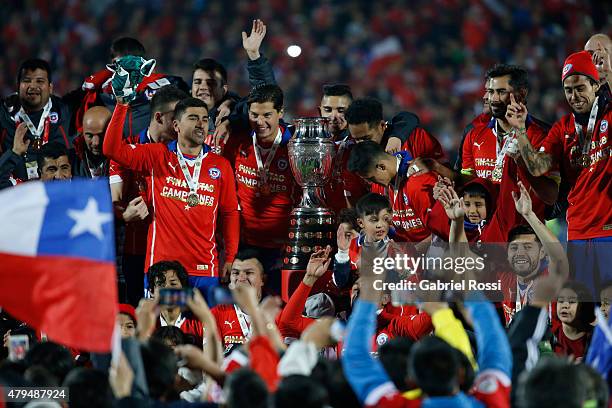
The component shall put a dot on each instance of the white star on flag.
(89, 220)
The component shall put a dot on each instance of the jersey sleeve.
(413, 327)
(133, 156)
(420, 193)
(467, 159)
(228, 207)
(290, 321)
(423, 144)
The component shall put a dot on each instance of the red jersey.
(234, 325)
(421, 144)
(491, 388)
(564, 346)
(344, 187)
(413, 198)
(481, 149)
(180, 231)
(134, 184)
(264, 215)
(590, 196)
(188, 324)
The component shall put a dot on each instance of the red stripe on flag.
(73, 301)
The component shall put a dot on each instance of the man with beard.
(90, 162)
(485, 147)
(47, 118)
(578, 145)
(191, 188)
(600, 47)
(527, 247)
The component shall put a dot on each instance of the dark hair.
(211, 65)
(605, 285)
(250, 253)
(476, 190)
(330, 374)
(364, 157)
(246, 390)
(53, 357)
(519, 78)
(521, 230)
(596, 387)
(552, 383)
(267, 93)
(89, 388)
(364, 110)
(349, 215)
(33, 64)
(170, 333)
(188, 102)
(434, 365)
(337, 90)
(166, 95)
(52, 150)
(127, 46)
(157, 273)
(372, 203)
(299, 391)
(160, 364)
(585, 310)
(394, 356)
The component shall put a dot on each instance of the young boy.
(374, 217)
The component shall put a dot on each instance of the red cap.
(579, 63)
(128, 310)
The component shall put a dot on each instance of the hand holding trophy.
(128, 73)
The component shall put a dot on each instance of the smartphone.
(221, 295)
(18, 346)
(175, 297)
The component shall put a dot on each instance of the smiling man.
(234, 325)
(578, 146)
(191, 189)
(46, 116)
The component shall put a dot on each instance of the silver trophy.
(312, 223)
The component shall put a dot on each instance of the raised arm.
(134, 157)
(559, 264)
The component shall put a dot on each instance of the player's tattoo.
(538, 163)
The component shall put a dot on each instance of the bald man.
(600, 47)
(89, 161)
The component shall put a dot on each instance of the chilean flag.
(57, 260)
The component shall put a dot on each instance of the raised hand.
(20, 142)
(453, 205)
(394, 145)
(252, 42)
(601, 60)
(516, 114)
(317, 266)
(342, 240)
(522, 203)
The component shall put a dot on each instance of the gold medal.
(193, 200)
(497, 174)
(585, 160)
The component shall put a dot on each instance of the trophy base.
(310, 230)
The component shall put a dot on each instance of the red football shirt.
(179, 231)
(344, 186)
(421, 144)
(413, 198)
(232, 329)
(264, 216)
(590, 197)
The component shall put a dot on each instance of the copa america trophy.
(312, 224)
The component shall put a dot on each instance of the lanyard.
(36, 131)
(262, 169)
(585, 140)
(244, 321)
(191, 182)
(501, 151)
(522, 295)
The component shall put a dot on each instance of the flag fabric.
(57, 260)
(600, 350)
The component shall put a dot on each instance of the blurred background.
(428, 57)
